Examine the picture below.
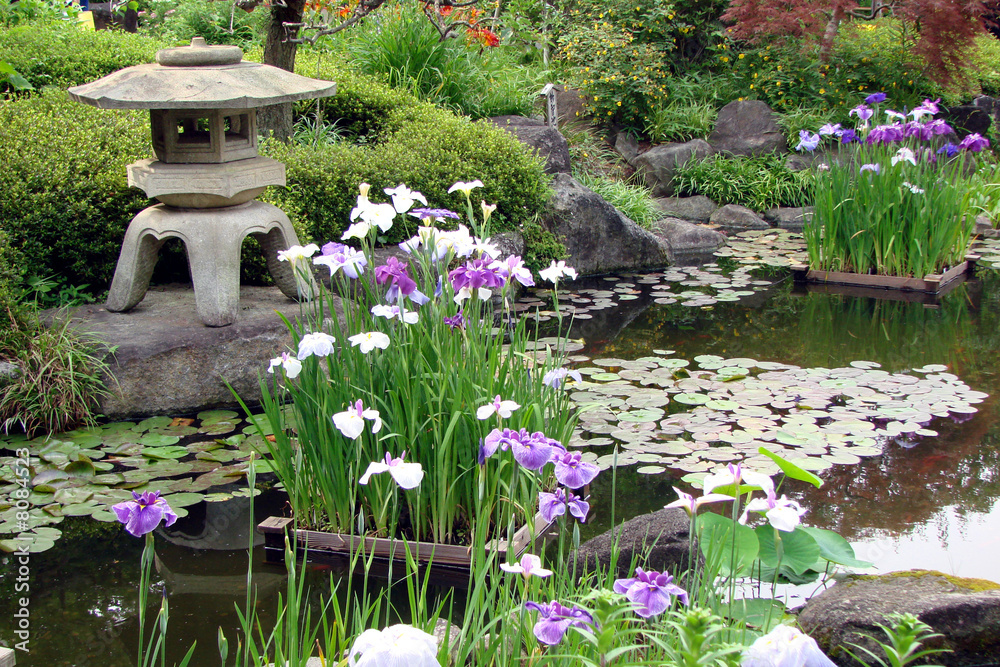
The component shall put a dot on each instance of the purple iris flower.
(456, 322)
(862, 111)
(871, 166)
(807, 141)
(551, 505)
(395, 273)
(884, 134)
(830, 129)
(918, 130)
(337, 256)
(949, 149)
(875, 98)
(533, 451)
(557, 376)
(847, 136)
(144, 512)
(650, 592)
(475, 274)
(501, 439)
(932, 107)
(939, 127)
(430, 214)
(974, 143)
(513, 268)
(554, 620)
(572, 471)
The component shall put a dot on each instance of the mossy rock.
(966, 612)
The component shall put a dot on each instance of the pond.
(917, 501)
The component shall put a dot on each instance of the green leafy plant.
(680, 121)
(60, 376)
(759, 183)
(907, 637)
(635, 201)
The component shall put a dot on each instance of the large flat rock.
(166, 362)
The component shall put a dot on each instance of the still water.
(931, 504)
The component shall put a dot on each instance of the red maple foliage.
(945, 28)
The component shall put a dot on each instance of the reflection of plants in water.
(835, 330)
(905, 488)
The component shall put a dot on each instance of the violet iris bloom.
(875, 98)
(807, 141)
(456, 322)
(337, 256)
(477, 274)
(830, 129)
(572, 471)
(428, 215)
(974, 143)
(939, 127)
(920, 130)
(862, 111)
(847, 136)
(871, 166)
(395, 273)
(650, 592)
(513, 268)
(554, 620)
(884, 134)
(144, 512)
(533, 451)
(949, 149)
(551, 505)
(557, 376)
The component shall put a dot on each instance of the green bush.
(65, 203)
(9, 278)
(402, 141)
(403, 48)
(759, 183)
(680, 121)
(60, 54)
(634, 201)
(177, 21)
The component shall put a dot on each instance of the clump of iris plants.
(426, 358)
(899, 206)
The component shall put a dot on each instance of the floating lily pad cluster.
(765, 247)
(990, 252)
(664, 412)
(688, 286)
(85, 472)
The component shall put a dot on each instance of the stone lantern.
(203, 104)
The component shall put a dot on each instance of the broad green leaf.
(790, 469)
(799, 551)
(834, 548)
(726, 542)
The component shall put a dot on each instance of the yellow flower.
(619, 102)
(725, 59)
(822, 91)
(751, 86)
(742, 56)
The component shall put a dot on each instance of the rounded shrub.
(60, 54)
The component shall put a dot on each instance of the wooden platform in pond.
(934, 283)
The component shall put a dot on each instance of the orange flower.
(484, 36)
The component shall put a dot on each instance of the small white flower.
(351, 422)
(465, 187)
(358, 230)
(904, 155)
(288, 363)
(497, 407)
(529, 566)
(556, 271)
(785, 646)
(407, 475)
(403, 198)
(319, 344)
(914, 189)
(895, 115)
(369, 340)
(396, 645)
(487, 210)
(393, 312)
(297, 252)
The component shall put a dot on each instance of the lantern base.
(213, 239)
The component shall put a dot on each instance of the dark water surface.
(933, 505)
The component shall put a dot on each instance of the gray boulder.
(168, 363)
(657, 541)
(658, 164)
(791, 218)
(598, 238)
(965, 611)
(547, 141)
(694, 209)
(8, 372)
(967, 119)
(627, 147)
(747, 127)
(733, 217)
(687, 240)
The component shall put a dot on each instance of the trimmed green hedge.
(60, 54)
(65, 203)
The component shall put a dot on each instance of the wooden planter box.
(930, 284)
(448, 563)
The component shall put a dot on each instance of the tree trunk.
(276, 119)
(831, 31)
